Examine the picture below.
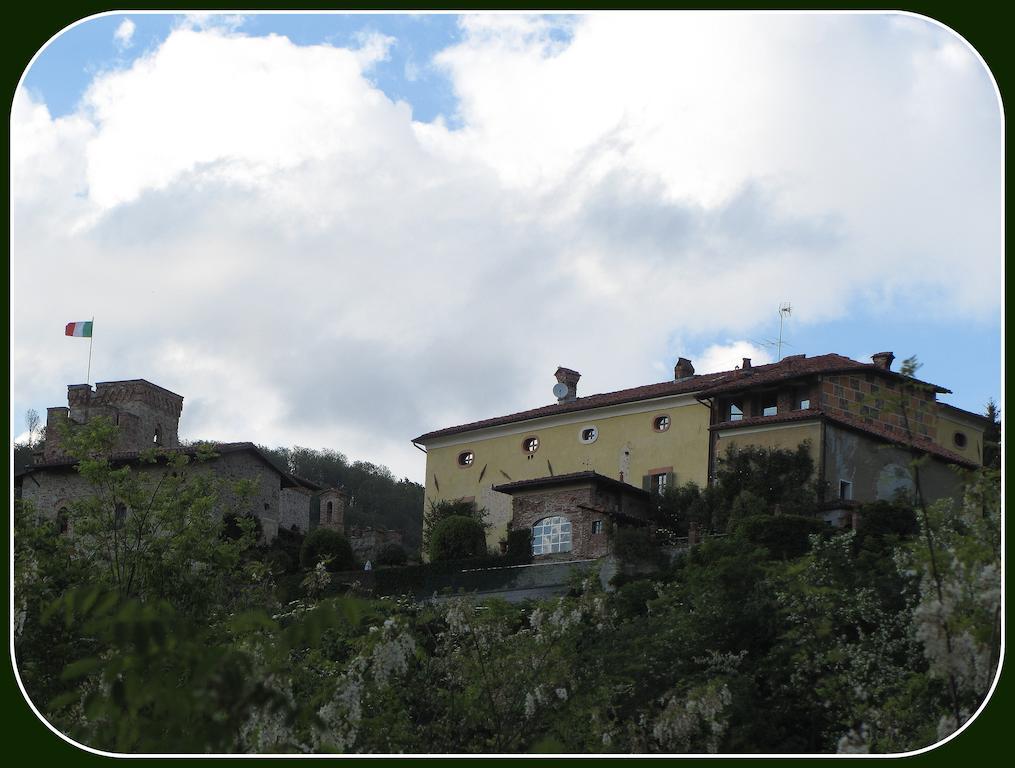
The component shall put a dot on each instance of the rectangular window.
(736, 412)
(597, 526)
(659, 484)
(804, 404)
(769, 405)
(845, 490)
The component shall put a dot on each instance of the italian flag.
(79, 329)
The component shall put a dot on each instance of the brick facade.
(584, 501)
(880, 402)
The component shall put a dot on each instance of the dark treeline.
(376, 496)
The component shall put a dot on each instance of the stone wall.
(366, 541)
(580, 505)
(333, 517)
(294, 509)
(49, 489)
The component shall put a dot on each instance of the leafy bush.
(391, 553)
(234, 526)
(324, 543)
(636, 546)
(784, 536)
(886, 518)
(519, 546)
(442, 510)
(457, 537)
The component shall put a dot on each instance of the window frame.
(530, 444)
(590, 428)
(658, 419)
(544, 541)
(466, 459)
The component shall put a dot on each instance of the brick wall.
(878, 401)
(581, 506)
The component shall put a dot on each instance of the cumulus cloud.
(124, 34)
(259, 228)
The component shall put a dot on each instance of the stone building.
(147, 416)
(572, 515)
(863, 422)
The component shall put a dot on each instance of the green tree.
(457, 537)
(992, 436)
(438, 511)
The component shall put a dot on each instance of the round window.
(588, 434)
(960, 439)
(661, 423)
(465, 459)
(530, 444)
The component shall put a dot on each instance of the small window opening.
(736, 412)
(589, 435)
(769, 406)
(465, 459)
(157, 438)
(960, 439)
(658, 483)
(845, 490)
(331, 509)
(661, 423)
(597, 526)
(530, 444)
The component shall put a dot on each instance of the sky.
(343, 231)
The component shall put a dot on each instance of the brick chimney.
(683, 369)
(569, 379)
(746, 365)
(883, 360)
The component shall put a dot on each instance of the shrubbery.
(457, 537)
(784, 536)
(391, 553)
(326, 544)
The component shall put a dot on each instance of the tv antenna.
(785, 310)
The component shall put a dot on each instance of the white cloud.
(726, 357)
(256, 226)
(124, 34)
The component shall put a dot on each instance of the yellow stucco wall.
(499, 458)
(781, 436)
(947, 426)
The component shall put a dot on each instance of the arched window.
(331, 509)
(157, 438)
(551, 534)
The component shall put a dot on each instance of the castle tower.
(147, 415)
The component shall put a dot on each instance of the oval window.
(588, 434)
(465, 459)
(661, 423)
(530, 444)
(960, 439)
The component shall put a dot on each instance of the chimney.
(569, 379)
(883, 360)
(746, 365)
(683, 369)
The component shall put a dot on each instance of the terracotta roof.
(705, 384)
(779, 418)
(572, 477)
(922, 443)
(129, 457)
(919, 442)
(979, 417)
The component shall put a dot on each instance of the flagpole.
(91, 340)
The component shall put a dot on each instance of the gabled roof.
(133, 457)
(569, 479)
(962, 413)
(705, 385)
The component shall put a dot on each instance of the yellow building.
(862, 421)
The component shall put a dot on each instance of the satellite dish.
(559, 390)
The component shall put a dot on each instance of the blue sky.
(346, 230)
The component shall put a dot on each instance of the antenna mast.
(785, 310)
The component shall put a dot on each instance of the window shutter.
(671, 480)
(646, 483)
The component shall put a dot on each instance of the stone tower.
(147, 415)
